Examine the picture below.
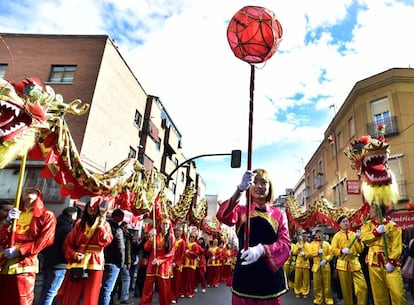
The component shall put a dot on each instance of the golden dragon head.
(369, 158)
(26, 107)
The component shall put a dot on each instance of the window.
(339, 192)
(132, 153)
(396, 166)
(138, 119)
(158, 144)
(351, 127)
(340, 142)
(320, 168)
(62, 74)
(3, 69)
(182, 177)
(333, 150)
(380, 111)
(314, 179)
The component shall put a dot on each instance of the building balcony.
(391, 128)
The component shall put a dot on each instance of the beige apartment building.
(386, 98)
(123, 119)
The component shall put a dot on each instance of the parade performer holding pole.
(160, 264)
(269, 243)
(320, 251)
(84, 249)
(350, 273)
(34, 230)
(254, 35)
(369, 156)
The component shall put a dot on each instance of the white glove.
(11, 252)
(293, 263)
(14, 213)
(346, 251)
(358, 233)
(390, 267)
(153, 232)
(302, 253)
(252, 254)
(300, 247)
(213, 257)
(320, 251)
(247, 181)
(323, 262)
(154, 262)
(380, 229)
(186, 251)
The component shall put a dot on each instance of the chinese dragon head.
(26, 108)
(369, 158)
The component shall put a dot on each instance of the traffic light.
(235, 158)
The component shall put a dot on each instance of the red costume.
(227, 265)
(88, 289)
(35, 230)
(159, 268)
(177, 283)
(189, 268)
(201, 268)
(214, 265)
(269, 227)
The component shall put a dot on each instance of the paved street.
(222, 296)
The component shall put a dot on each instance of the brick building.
(123, 119)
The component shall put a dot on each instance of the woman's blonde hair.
(265, 175)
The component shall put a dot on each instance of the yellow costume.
(302, 267)
(322, 286)
(386, 284)
(349, 267)
(289, 267)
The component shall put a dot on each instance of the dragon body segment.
(32, 122)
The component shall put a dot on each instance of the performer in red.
(35, 230)
(214, 264)
(160, 263)
(189, 267)
(226, 273)
(83, 247)
(201, 267)
(258, 277)
(177, 282)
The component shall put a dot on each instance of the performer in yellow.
(289, 267)
(384, 272)
(347, 246)
(320, 251)
(302, 267)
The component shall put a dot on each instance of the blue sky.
(178, 51)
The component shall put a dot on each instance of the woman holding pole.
(258, 275)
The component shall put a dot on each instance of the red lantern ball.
(254, 34)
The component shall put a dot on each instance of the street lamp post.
(235, 161)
